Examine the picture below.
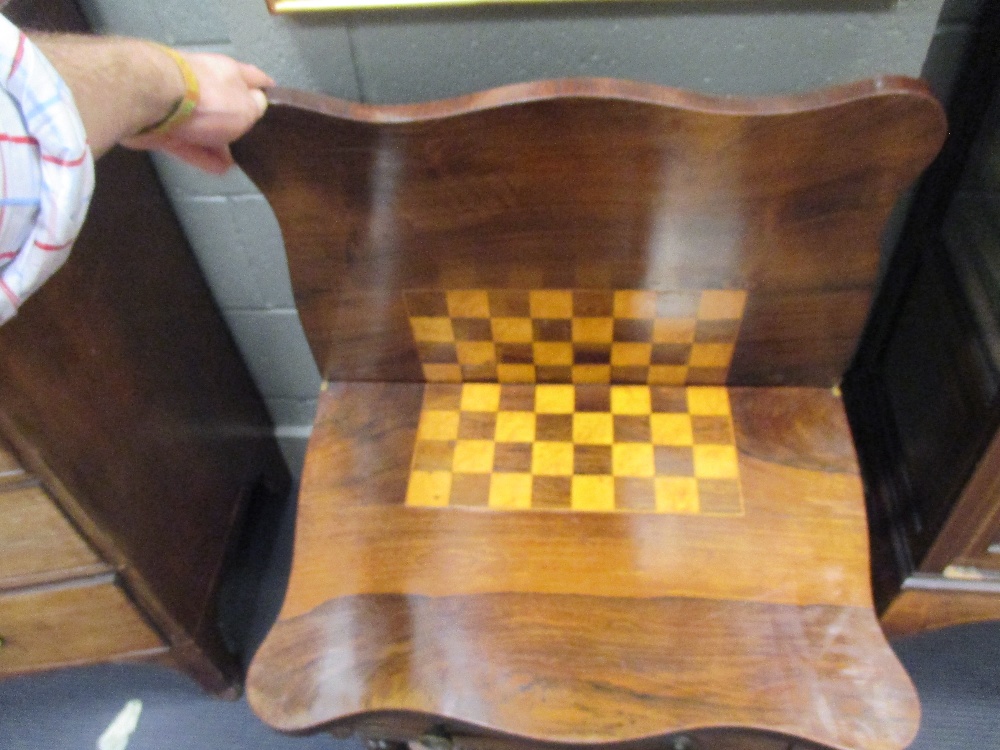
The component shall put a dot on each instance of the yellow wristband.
(186, 106)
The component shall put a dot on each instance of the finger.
(260, 99)
(254, 77)
(212, 160)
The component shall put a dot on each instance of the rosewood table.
(580, 473)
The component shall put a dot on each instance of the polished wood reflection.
(801, 540)
(578, 336)
(592, 184)
(624, 448)
(476, 616)
(516, 235)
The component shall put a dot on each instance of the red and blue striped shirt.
(46, 170)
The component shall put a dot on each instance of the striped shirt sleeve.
(47, 170)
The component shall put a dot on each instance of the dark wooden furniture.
(580, 472)
(131, 440)
(924, 392)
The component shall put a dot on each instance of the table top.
(593, 624)
(579, 472)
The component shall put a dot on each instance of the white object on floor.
(117, 735)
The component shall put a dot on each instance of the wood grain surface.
(614, 668)
(389, 607)
(420, 238)
(973, 527)
(377, 545)
(11, 471)
(38, 544)
(79, 623)
(917, 611)
(592, 184)
(123, 395)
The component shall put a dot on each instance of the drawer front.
(990, 559)
(72, 624)
(37, 543)
(10, 470)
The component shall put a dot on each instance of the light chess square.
(576, 447)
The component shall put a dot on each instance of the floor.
(957, 673)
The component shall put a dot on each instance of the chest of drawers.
(133, 440)
(60, 603)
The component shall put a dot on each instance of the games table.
(580, 473)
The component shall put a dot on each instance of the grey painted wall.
(744, 46)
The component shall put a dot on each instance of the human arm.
(123, 86)
(66, 97)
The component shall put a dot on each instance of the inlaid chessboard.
(638, 448)
(576, 336)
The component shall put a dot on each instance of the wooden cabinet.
(10, 470)
(37, 542)
(60, 602)
(76, 622)
(131, 441)
(924, 394)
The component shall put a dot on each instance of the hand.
(231, 101)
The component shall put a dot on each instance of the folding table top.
(580, 473)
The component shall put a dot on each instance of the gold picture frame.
(311, 6)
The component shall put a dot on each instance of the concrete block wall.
(749, 47)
